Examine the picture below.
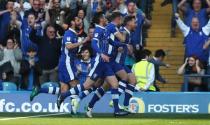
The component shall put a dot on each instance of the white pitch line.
(34, 116)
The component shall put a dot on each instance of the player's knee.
(64, 87)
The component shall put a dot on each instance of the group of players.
(111, 44)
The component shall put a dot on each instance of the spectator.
(73, 5)
(141, 20)
(196, 11)
(192, 65)
(144, 72)
(30, 67)
(11, 53)
(136, 36)
(34, 10)
(81, 15)
(13, 30)
(80, 29)
(48, 53)
(57, 16)
(194, 38)
(121, 6)
(42, 4)
(10, 57)
(54, 11)
(174, 10)
(157, 60)
(5, 16)
(27, 27)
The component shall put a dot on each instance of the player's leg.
(112, 80)
(75, 101)
(97, 84)
(123, 81)
(53, 77)
(130, 87)
(75, 90)
(98, 94)
(122, 74)
(64, 78)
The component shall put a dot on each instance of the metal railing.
(186, 80)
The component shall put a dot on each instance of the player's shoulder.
(111, 25)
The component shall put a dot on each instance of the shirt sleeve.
(184, 28)
(67, 38)
(206, 29)
(95, 43)
(113, 31)
(151, 77)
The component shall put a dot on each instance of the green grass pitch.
(99, 119)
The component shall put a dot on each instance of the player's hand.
(176, 15)
(88, 38)
(105, 58)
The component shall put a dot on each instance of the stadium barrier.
(186, 80)
(163, 102)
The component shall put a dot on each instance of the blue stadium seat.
(49, 84)
(9, 86)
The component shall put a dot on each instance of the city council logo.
(136, 105)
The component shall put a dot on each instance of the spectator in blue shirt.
(136, 36)
(195, 11)
(27, 26)
(5, 20)
(195, 38)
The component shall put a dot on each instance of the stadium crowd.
(32, 33)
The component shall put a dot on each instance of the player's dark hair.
(97, 17)
(115, 15)
(83, 49)
(128, 19)
(160, 53)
